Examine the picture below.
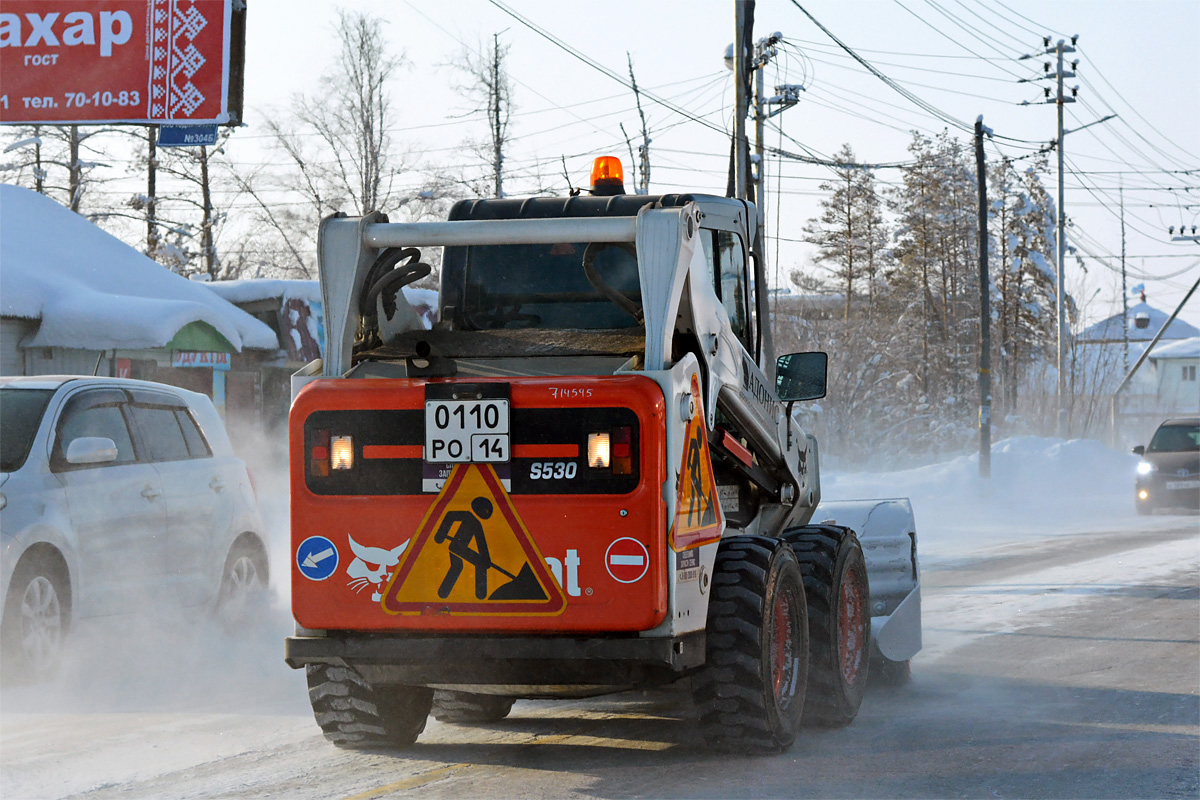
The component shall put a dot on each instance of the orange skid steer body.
(547, 540)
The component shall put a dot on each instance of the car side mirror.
(91, 450)
(801, 376)
(1140, 450)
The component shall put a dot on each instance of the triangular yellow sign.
(472, 555)
(698, 518)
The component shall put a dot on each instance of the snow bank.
(1038, 487)
(90, 289)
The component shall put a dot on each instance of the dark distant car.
(1169, 472)
(116, 496)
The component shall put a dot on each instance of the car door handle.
(216, 484)
(150, 493)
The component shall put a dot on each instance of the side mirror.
(91, 450)
(1140, 450)
(801, 376)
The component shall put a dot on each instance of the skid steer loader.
(585, 478)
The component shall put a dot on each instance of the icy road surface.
(1061, 660)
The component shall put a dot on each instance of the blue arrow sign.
(316, 558)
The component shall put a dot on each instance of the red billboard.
(132, 61)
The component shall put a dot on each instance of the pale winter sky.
(1138, 59)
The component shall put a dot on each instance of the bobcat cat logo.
(371, 565)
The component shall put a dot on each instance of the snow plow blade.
(887, 531)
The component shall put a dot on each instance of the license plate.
(1183, 484)
(466, 430)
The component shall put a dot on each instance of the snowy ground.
(156, 700)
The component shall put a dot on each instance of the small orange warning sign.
(698, 518)
(472, 555)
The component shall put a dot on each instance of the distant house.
(1176, 365)
(1141, 324)
(74, 299)
(1144, 402)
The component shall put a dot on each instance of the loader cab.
(492, 287)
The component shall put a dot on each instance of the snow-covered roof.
(1111, 328)
(1184, 348)
(254, 289)
(90, 289)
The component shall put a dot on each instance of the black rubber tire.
(449, 706)
(354, 714)
(750, 691)
(839, 622)
(37, 614)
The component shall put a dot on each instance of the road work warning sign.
(472, 555)
(698, 517)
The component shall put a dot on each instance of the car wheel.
(243, 583)
(35, 620)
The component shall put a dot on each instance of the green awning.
(200, 336)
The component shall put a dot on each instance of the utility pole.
(1060, 100)
(1124, 286)
(151, 192)
(743, 19)
(985, 312)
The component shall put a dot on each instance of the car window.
(161, 432)
(1175, 439)
(21, 412)
(196, 445)
(89, 415)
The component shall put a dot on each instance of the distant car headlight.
(1145, 468)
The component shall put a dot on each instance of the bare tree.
(486, 83)
(336, 143)
(58, 160)
(643, 184)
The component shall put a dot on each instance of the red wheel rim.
(783, 648)
(851, 630)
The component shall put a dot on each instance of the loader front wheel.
(751, 690)
(355, 714)
(450, 706)
(835, 586)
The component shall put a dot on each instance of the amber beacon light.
(608, 176)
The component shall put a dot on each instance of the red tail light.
(319, 455)
(622, 451)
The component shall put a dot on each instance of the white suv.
(116, 496)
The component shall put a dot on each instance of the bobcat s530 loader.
(584, 479)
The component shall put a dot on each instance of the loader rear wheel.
(835, 586)
(449, 706)
(353, 713)
(750, 692)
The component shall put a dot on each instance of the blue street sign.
(317, 558)
(186, 135)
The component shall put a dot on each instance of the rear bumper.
(419, 660)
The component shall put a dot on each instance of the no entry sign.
(135, 61)
(627, 560)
